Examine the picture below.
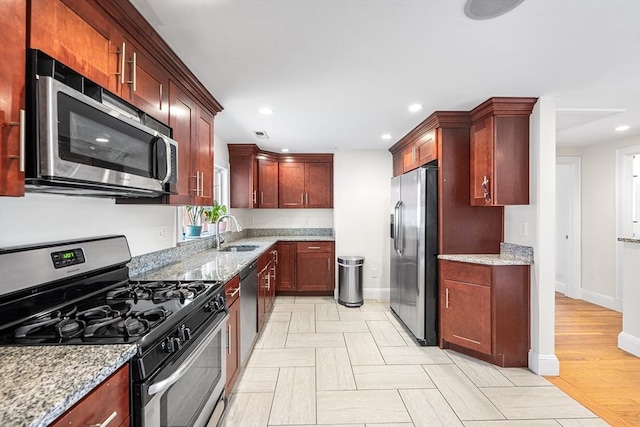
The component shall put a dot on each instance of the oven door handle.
(163, 385)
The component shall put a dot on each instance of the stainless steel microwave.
(86, 141)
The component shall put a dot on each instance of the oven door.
(186, 390)
(82, 140)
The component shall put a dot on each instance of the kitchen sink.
(239, 248)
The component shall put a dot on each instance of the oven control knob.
(185, 333)
(171, 345)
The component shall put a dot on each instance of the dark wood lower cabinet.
(484, 311)
(286, 267)
(232, 294)
(315, 267)
(110, 400)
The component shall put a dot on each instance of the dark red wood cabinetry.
(286, 267)
(261, 179)
(499, 165)
(266, 284)
(315, 267)
(13, 28)
(108, 401)
(232, 294)
(484, 311)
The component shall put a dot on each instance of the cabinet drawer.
(465, 272)
(314, 247)
(110, 397)
(232, 290)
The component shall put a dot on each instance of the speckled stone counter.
(213, 264)
(40, 383)
(510, 254)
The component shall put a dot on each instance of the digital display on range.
(67, 258)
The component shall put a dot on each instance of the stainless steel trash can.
(350, 280)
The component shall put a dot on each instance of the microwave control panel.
(67, 258)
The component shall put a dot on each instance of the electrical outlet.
(251, 220)
(374, 273)
(524, 228)
(162, 233)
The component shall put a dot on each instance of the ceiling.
(340, 73)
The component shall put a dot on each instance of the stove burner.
(70, 328)
(129, 292)
(153, 316)
(132, 326)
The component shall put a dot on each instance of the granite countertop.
(212, 264)
(510, 254)
(628, 240)
(40, 383)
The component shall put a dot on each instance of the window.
(221, 185)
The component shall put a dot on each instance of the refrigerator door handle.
(397, 232)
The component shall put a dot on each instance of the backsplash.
(260, 232)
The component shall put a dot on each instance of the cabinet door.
(466, 312)
(203, 161)
(182, 118)
(314, 271)
(410, 158)
(13, 27)
(318, 181)
(233, 346)
(427, 149)
(76, 34)
(109, 398)
(285, 267)
(146, 84)
(291, 187)
(482, 178)
(267, 183)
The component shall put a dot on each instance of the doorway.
(568, 219)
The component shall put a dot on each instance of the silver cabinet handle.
(302, 198)
(446, 298)
(134, 70)
(122, 61)
(485, 189)
(106, 422)
(262, 197)
(313, 247)
(197, 189)
(328, 264)
(228, 339)
(307, 197)
(21, 125)
(201, 183)
(254, 198)
(235, 291)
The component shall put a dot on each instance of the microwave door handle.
(167, 147)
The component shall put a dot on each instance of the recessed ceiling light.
(285, 150)
(622, 128)
(386, 136)
(266, 111)
(487, 9)
(415, 107)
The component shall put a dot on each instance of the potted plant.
(194, 215)
(214, 213)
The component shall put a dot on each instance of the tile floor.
(319, 363)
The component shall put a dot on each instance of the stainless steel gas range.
(79, 292)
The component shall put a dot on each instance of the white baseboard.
(544, 364)
(602, 300)
(629, 343)
(376, 293)
(561, 287)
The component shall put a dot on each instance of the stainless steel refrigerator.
(414, 247)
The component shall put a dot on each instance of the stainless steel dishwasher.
(248, 310)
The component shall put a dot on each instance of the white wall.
(361, 211)
(39, 218)
(599, 220)
(540, 218)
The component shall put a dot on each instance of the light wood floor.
(593, 370)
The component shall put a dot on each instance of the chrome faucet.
(218, 238)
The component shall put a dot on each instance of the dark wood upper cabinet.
(462, 228)
(306, 181)
(13, 29)
(109, 42)
(499, 166)
(267, 183)
(415, 149)
(270, 180)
